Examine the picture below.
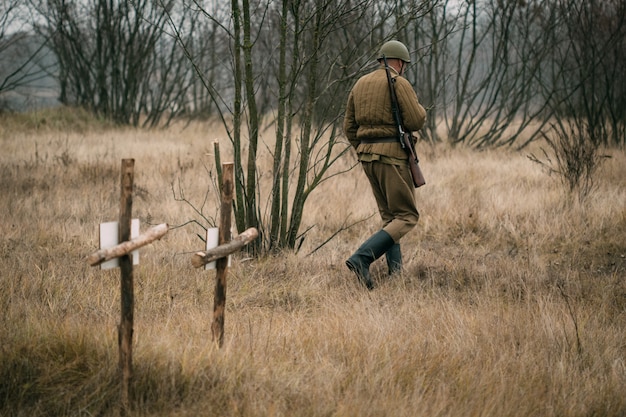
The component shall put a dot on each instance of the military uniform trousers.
(394, 192)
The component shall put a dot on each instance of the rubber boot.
(394, 259)
(373, 248)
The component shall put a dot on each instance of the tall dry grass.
(512, 301)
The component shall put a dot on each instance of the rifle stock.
(405, 138)
(416, 172)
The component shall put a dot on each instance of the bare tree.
(585, 90)
(26, 62)
(479, 70)
(113, 59)
(588, 67)
(495, 73)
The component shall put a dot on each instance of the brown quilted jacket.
(368, 113)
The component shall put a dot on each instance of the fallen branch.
(202, 258)
(127, 247)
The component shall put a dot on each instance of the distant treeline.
(491, 72)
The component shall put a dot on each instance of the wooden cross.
(221, 252)
(122, 251)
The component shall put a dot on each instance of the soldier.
(370, 127)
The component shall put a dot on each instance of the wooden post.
(125, 329)
(219, 302)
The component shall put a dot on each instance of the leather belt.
(380, 140)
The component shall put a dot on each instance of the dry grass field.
(512, 301)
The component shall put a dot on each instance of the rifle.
(405, 138)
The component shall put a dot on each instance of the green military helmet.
(395, 49)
